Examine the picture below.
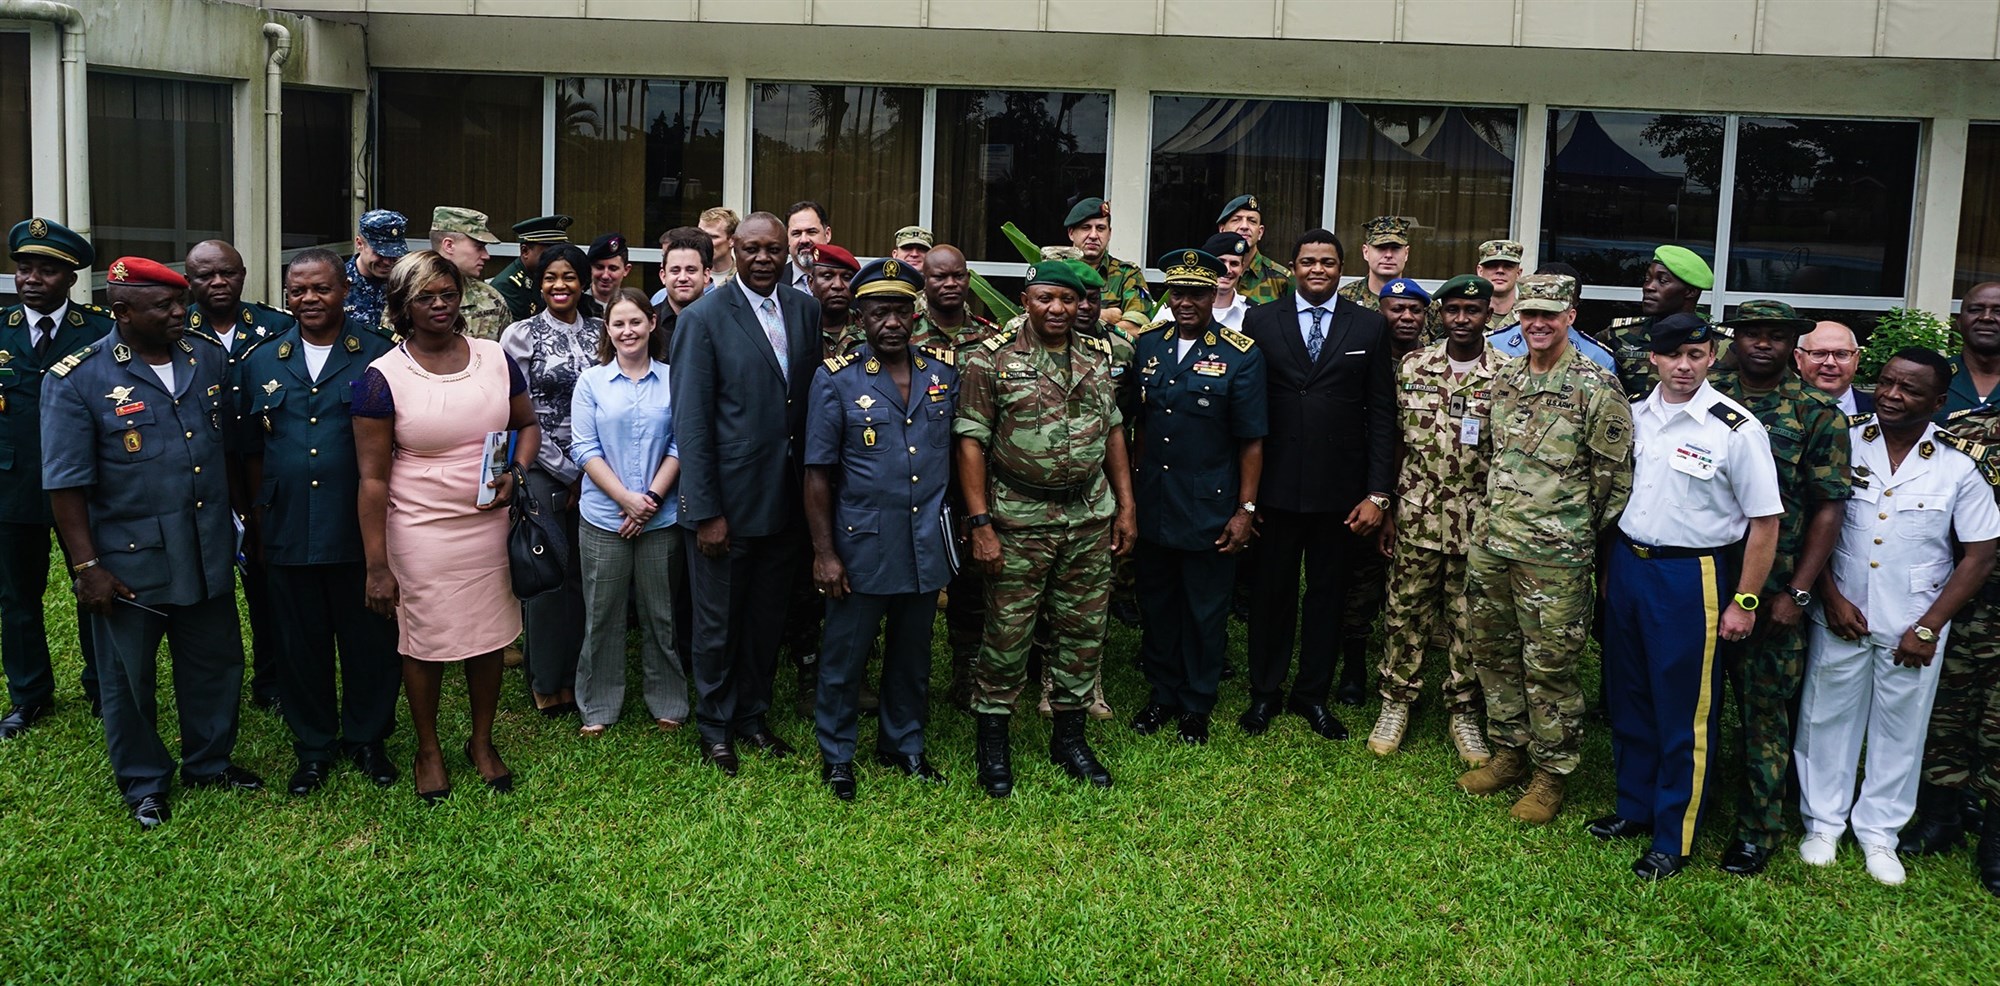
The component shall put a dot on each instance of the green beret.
(1086, 275)
(1684, 264)
(1465, 286)
(1238, 204)
(1089, 208)
(1056, 272)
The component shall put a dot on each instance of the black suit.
(1331, 443)
(739, 422)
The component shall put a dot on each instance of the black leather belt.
(1655, 552)
(1072, 493)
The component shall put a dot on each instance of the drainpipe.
(76, 116)
(280, 40)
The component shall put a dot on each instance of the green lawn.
(1281, 859)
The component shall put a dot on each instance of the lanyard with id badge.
(1468, 426)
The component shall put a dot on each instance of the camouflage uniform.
(1440, 497)
(1963, 749)
(366, 296)
(486, 312)
(1263, 280)
(1044, 420)
(1560, 473)
(977, 328)
(839, 340)
(1809, 443)
(1626, 338)
(1124, 286)
(1358, 293)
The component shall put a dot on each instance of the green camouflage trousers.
(1963, 749)
(1426, 595)
(1058, 574)
(1529, 623)
(1769, 673)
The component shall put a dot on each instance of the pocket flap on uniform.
(263, 401)
(855, 522)
(1928, 580)
(137, 534)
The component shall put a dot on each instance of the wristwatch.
(1800, 596)
(1747, 600)
(1247, 506)
(1924, 633)
(979, 520)
(1381, 502)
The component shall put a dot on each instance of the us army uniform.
(153, 464)
(1379, 231)
(298, 443)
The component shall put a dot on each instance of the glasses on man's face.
(434, 300)
(1831, 355)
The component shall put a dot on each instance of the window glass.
(1618, 185)
(854, 149)
(182, 129)
(637, 156)
(1006, 156)
(1979, 211)
(455, 139)
(1447, 169)
(16, 135)
(1822, 206)
(318, 168)
(1208, 151)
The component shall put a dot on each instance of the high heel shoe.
(503, 783)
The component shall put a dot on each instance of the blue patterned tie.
(774, 330)
(1317, 337)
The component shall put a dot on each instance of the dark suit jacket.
(739, 423)
(1333, 422)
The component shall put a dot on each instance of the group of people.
(843, 442)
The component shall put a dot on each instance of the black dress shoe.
(1618, 827)
(1194, 728)
(310, 777)
(151, 812)
(1228, 671)
(1257, 718)
(916, 767)
(232, 777)
(1745, 858)
(373, 760)
(1351, 693)
(503, 783)
(840, 778)
(766, 742)
(1151, 718)
(1319, 720)
(723, 756)
(1657, 865)
(20, 717)
(272, 703)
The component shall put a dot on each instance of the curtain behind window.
(1448, 169)
(853, 149)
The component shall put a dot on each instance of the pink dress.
(449, 558)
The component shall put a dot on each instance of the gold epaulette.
(834, 364)
(1098, 344)
(1967, 412)
(939, 353)
(1237, 339)
(1980, 452)
(70, 362)
(1861, 419)
(999, 339)
(1166, 325)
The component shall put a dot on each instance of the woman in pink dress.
(437, 561)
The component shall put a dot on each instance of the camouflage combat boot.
(1507, 767)
(1544, 797)
(1387, 736)
(1470, 738)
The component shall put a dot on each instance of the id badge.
(1468, 431)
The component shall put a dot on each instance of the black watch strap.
(978, 520)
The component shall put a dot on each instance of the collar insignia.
(872, 366)
(353, 344)
(1208, 338)
(122, 353)
(1926, 449)
(284, 350)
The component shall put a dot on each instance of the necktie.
(1317, 337)
(47, 327)
(774, 330)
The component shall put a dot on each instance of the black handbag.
(537, 549)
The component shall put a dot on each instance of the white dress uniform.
(1892, 560)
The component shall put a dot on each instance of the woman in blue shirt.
(623, 437)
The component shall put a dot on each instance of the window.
(1208, 151)
(16, 184)
(1020, 157)
(854, 149)
(1448, 169)
(1823, 206)
(1979, 211)
(318, 150)
(1618, 185)
(179, 134)
(637, 156)
(465, 140)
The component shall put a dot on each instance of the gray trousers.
(206, 645)
(615, 569)
(554, 620)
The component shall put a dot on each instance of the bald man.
(1827, 358)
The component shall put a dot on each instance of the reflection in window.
(637, 156)
(1208, 151)
(16, 187)
(1620, 184)
(1024, 157)
(1822, 206)
(464, 140)
(318, 168)
(854, 149)
(184, 131)
(1979, 211)
(1448, 169)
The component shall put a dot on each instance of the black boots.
(1989, 848)
(1353, 689)
(1938, 826)
(1069, 750)
(996, 764)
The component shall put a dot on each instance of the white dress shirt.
(1697, 482)
(1306, 318)
(1846, 402)
(34, 320)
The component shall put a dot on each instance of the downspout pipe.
(279, 38)
(76, 116)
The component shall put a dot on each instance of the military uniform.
(367, 298)
(382, 230)
(1964, 395)
(930, 335)
(1263, 280)
(1963, 749)
(839, 340)
(1124, 285)
(518, 290)
(296, 431)
(1357, 292)
(485, 311)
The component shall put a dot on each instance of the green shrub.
(1900, 328)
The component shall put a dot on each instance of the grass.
(1276, 860)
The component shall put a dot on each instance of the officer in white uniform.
(1883, 614)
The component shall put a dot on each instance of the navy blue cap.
(382, 230)
(1403, 287)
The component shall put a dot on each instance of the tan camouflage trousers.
(1529, 623)
(1427, 596)
(1063, 576)
(1963, 749)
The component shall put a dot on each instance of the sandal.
(668, 725)
(591, 732)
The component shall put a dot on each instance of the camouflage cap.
(914, 234)
(1403, 287)
(1386, 230)
(1501, 251)
(383, 230)
(1061, 253)
(1089, 208)
(1679, 329)
(1466, 286)
(1545, 293)
(464, 222)
(1765, 312)
(1686, 265)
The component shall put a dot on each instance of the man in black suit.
(1329, 461)
(743, 359)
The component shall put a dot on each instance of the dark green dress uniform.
(25, 523)
(296, 433)
(1195, 411)
(249, 324)
(517, 287)
(152, 463)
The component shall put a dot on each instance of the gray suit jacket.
(740, 422)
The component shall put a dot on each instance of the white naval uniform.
(1892, 560)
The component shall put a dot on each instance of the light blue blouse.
(630, 425)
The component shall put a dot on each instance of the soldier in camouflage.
(946, 321)
(378, 244)
(1385, 251)
(1263, 279)
(460, 236)
(1675, 279)
(1089, 229)
(1808, 435)
(1043, 472)
(1444, 397)
(1560, 473)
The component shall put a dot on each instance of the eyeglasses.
(1831, 355)
(434, 300)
